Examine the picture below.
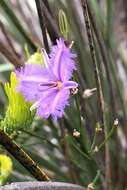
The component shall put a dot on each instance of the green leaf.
(63, 24)
(6, 67)
(15, 21)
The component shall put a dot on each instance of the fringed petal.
(61, 60)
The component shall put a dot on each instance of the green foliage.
(63, 24)
(5, 168)
(36, 58)
(66, 156)
(18, 114)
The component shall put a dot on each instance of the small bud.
(63, 24)
(90, 186)
(71, 44)
(98, 128)
(88, 92)
(74, 91)
(116, 122)
(96, 149)
(76, 133)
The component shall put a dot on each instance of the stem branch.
(20, 155)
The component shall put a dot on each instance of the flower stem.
(39, 137)
(94, 142)
(104, 55)
(20, 155)
(42, 23)
(107, 137)
(96, 178)
(78, 109)
(99, 90)
(94, 60)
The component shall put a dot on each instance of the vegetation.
(88, 145)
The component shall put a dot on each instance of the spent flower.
(88, 93)
(48, 87)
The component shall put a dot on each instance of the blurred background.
(79, 148)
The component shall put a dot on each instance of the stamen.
(35, 105)
(59, 85)
(74, 91)
(70, 46)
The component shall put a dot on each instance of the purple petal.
(59, 103)
(29, 91)
(30, 77)
(53, 104)
(45, 107)
(70, 84)
(34, 71)
(46, 58)
(62, 62)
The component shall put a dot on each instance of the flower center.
(59, 85)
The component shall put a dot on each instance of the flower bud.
(88, 92)
(63, 24)
(76, 133)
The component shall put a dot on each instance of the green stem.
(42, 23)
(17, 23)
(109, 23)
(38, 137)
(104, 55)
(81, 152)
(99, 89)
(21, 156)
(94, 142)
(78, 109)
(94, 60)
(96, 178)
(107, 137)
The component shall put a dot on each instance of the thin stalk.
(39, 137)
(104, 55)
(107, 137)
(96, 178)
(18, 6)
(66, 152)
(125, 10)
(17, 23)
(94, 142)
(107, 183)
(10, 55)
(21, 156)
(8, 39)
(50, 19)
(78, 110)
(118, 86)
(81, 152)
(94, 61)
(99, 90)
(42, 23)
(53, 35)
(109, 23)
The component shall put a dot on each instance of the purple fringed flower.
(49, 87)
